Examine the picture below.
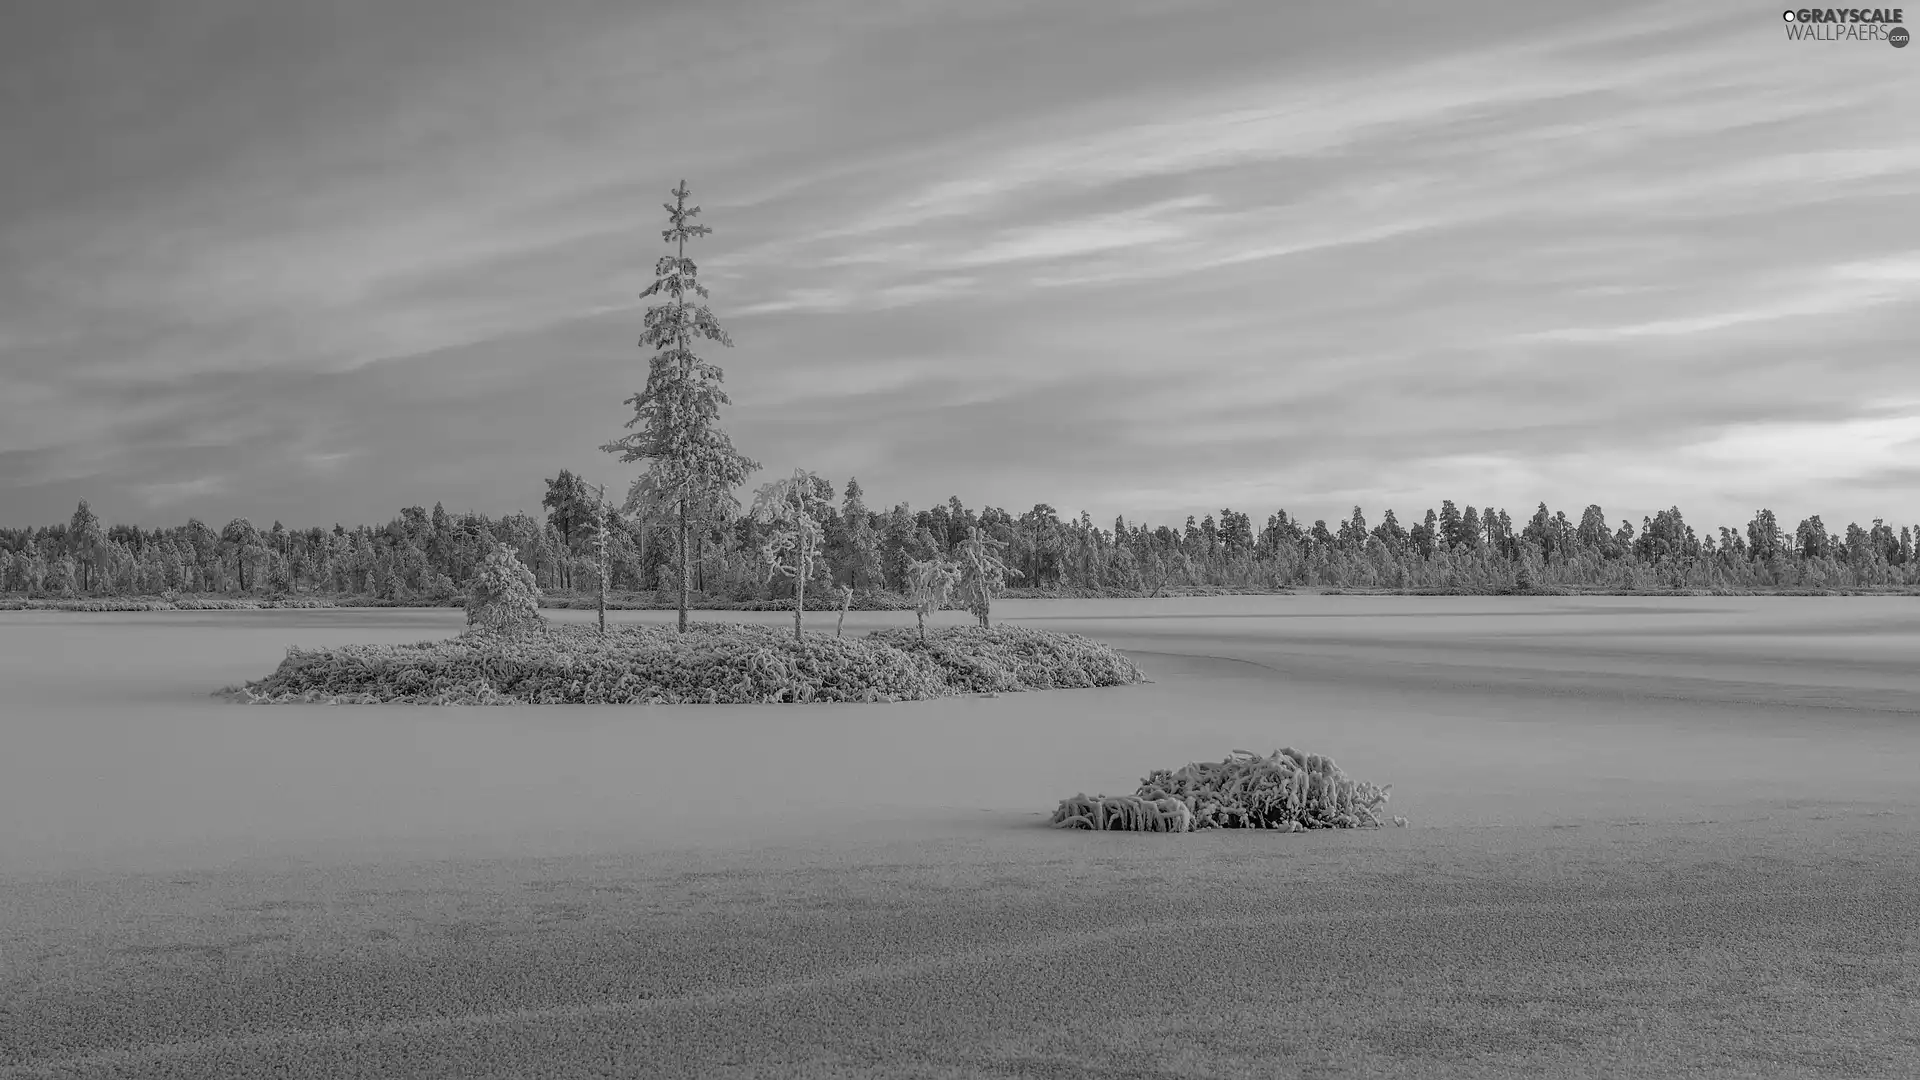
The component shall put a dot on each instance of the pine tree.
(1812, 538)
(242, 539)
(1539, 531)
(1450, 535)
(1353, 531)
(860, 551)
(1764, 537)
(440, 541)
(84, 540)
(569, 507)
(1390, 533)
(692, 465)
(1426, 535)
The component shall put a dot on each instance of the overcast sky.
(319, 261)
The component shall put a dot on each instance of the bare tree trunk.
(920, 613)
(600, 553)
(686, 566)
(846, 600)
(799, 602)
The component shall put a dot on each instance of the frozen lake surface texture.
(1650, 838)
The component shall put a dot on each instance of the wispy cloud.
(1848, 287)
(172, 493)
(1205, 253)
(1804, 453)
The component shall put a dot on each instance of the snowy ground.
(1650, 837)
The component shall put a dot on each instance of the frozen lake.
(1612, 799)
(1478, 710)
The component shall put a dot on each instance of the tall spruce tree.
(691, 464)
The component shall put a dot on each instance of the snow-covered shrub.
(1289, 790)
(504, 596)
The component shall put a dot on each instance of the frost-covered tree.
(692, 465)
(84, 541)
(60, 574)
(796, 508)
(602, 524)
(929, 583)
(896, 546)
(1765, 539)
(857, 547)
(983, 572)
(242, 541)
(1811, 538)
(1452, 532)
(440, 541)
(1592, 531)
(846, 601)
(33, 567)
(569, 506)
(503, 596)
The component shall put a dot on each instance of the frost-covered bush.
(1014, 658)
(710, 663)
(1289, 791)
(504, 596)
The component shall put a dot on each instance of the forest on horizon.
(680, 528)
(432, 555)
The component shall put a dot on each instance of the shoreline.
(638, 602)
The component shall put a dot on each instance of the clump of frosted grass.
(979, 660)
(1288, 790)
(164, 602)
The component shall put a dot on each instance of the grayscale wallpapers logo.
(1847, 24)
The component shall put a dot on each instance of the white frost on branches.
(797, 508)
(982, 571)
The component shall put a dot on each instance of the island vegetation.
(511, 654)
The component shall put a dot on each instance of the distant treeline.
(428, 554)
